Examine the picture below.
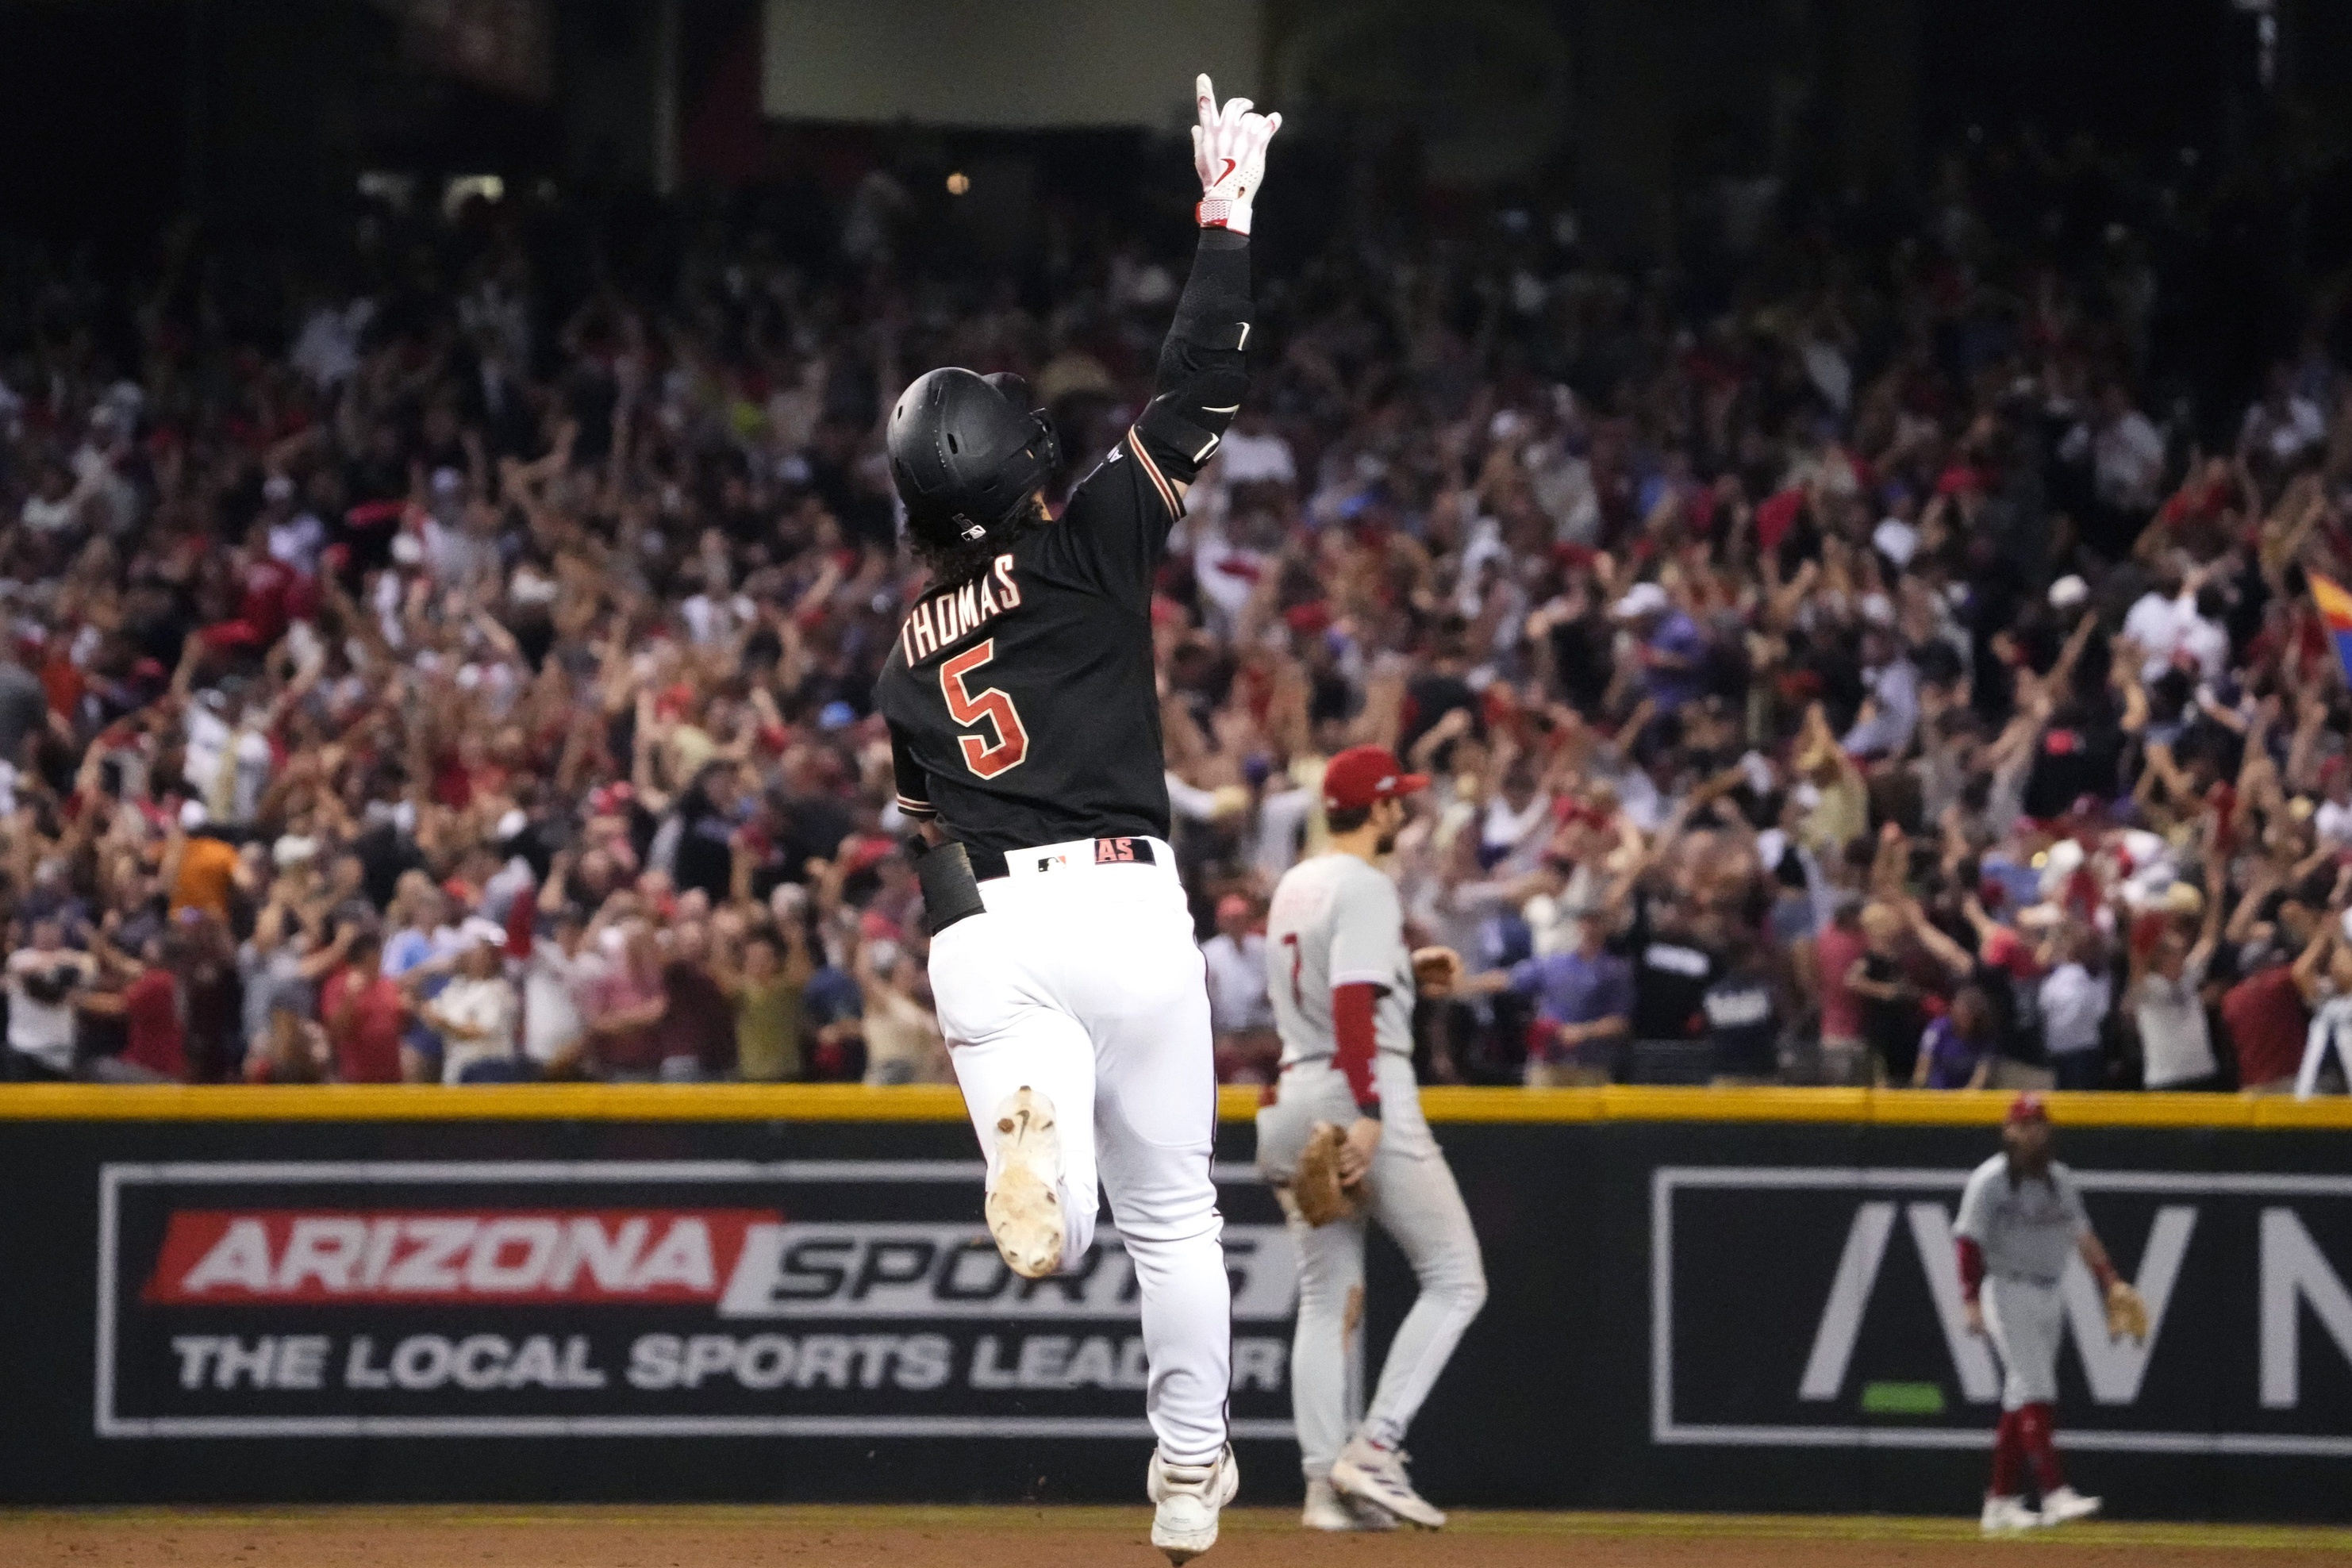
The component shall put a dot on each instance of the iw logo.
(2293, 1273)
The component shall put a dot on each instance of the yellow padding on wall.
(941, 1102)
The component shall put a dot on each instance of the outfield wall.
(1700, 1299)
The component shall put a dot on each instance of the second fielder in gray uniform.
(2022, 1218)
(1343, 983)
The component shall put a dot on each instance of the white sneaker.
(1327, 1509)
(2005, 1515)
(2065, 1504)
(1369, 1473)
(1189, 1497)
(1024, 1206)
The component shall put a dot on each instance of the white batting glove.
(1229, 152)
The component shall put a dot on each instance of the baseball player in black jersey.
(1024, 726)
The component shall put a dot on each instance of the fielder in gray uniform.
(1343, 983)
(2021, 1217)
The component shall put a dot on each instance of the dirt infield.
(1034, 1538)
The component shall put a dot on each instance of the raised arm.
(2265, 879)
(1945, 950)
(2069, 656)
(1202, 368)
(2312, 963)
(2217, 888)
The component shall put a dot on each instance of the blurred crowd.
(438, 660)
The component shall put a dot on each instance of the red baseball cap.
(2028, 1107)
(1362, 774)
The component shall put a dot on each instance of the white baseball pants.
(2022, 1316)
(1082, 982)
(1410, 1192)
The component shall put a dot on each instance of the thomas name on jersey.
(938, 622)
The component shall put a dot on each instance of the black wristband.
(951, 893)
(1369, 1110)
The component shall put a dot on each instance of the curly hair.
(964, 560)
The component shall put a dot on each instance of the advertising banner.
(622, 1299)
(2249, 1318)
(1719, 1314)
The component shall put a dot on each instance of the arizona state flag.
(2335, 604)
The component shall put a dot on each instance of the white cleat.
(1188, 1497)
(2007, 1515)
(1367, 1472)
(2066, 1504)
(1024, 1206)
(1327, 1509)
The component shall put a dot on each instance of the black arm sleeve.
(913, 786)
(1202, 368)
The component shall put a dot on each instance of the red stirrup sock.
(2037, 1436)
(2008, 1456)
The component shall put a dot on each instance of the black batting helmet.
(966, 453)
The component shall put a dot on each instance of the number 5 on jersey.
(969, 709)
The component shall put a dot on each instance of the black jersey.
(1023, 705)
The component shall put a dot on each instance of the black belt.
(987, 865)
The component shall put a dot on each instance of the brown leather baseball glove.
(1316, 1188)
(2126, 1313)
